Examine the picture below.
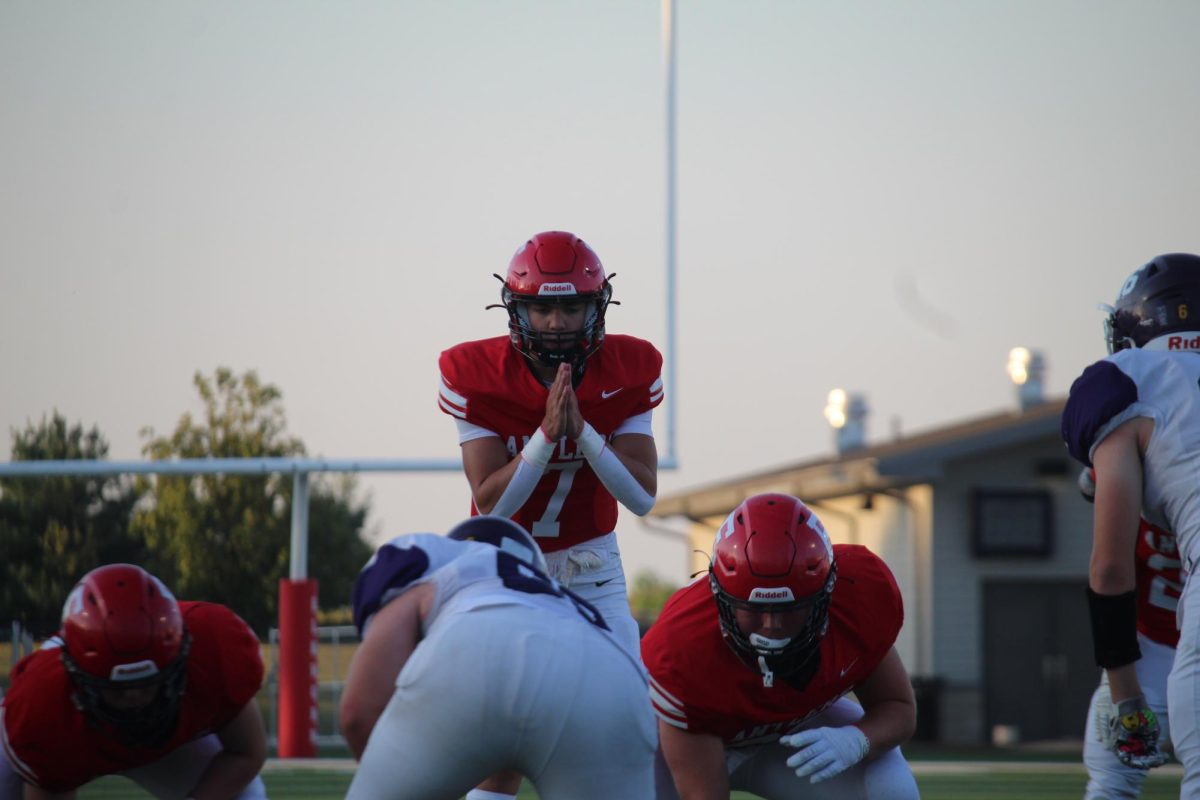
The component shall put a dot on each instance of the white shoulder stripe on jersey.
(19, 766)
(449, 409)
(666, 711)
(668, 707)
(657, 385)
(654, 398)
(451, 395)
(670, 699)
(670, 720)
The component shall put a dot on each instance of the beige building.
(984, 527)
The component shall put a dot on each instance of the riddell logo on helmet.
(134, 671)
(557, 288)
(771, 595)
(1180, 343)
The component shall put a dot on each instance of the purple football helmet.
(1155, 307)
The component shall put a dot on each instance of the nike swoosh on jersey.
(605, 395)
(607, 580)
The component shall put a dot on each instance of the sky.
(884, 197)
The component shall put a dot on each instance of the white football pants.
(508, 687)
(1108, 778)
(1183, 689)
(602, 584)
(763, 769)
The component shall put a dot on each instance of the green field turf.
(972, 782)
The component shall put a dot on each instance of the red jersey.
(698, 684)
(49, 742)
(1159, 584)
(489, 384)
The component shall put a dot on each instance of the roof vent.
(847, 413)
(1027, 369)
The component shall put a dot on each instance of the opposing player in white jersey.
(473, 661)
(1135, 417)
(1158, 586)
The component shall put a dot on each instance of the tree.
(55, 529)
(225, 538)
(647, 597)
(334, 556)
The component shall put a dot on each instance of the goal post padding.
(297, 668)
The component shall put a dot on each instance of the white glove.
(826, 752)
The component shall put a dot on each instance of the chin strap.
(768, 675)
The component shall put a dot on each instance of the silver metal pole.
(671, 461)
(300, 527)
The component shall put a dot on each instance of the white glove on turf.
(826, 752)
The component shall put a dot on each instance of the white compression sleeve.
(534, 458)
(612, 473)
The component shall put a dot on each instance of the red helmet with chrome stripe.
(556, 267)
(772, 555)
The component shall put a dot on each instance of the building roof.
(902, 462)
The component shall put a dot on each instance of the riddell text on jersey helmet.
(1158, 307)
(556, 267)
(772, 553)
(503, 533)
(122, 630)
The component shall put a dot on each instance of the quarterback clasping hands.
(563, 417)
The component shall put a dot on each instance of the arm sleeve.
(612, 473)
(533, 460)
(522, 483)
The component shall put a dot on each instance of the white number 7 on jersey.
(547, 526)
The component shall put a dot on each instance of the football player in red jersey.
(138, 684)
(554, 421)
(749, 667)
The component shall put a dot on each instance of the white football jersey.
(1165, 387)
(512, 671)
(466, 575)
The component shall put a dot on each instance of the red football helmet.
(122, 629)
(772, 554)
(556, 267)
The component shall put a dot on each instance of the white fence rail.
(300, 468)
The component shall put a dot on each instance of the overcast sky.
(881, 196)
